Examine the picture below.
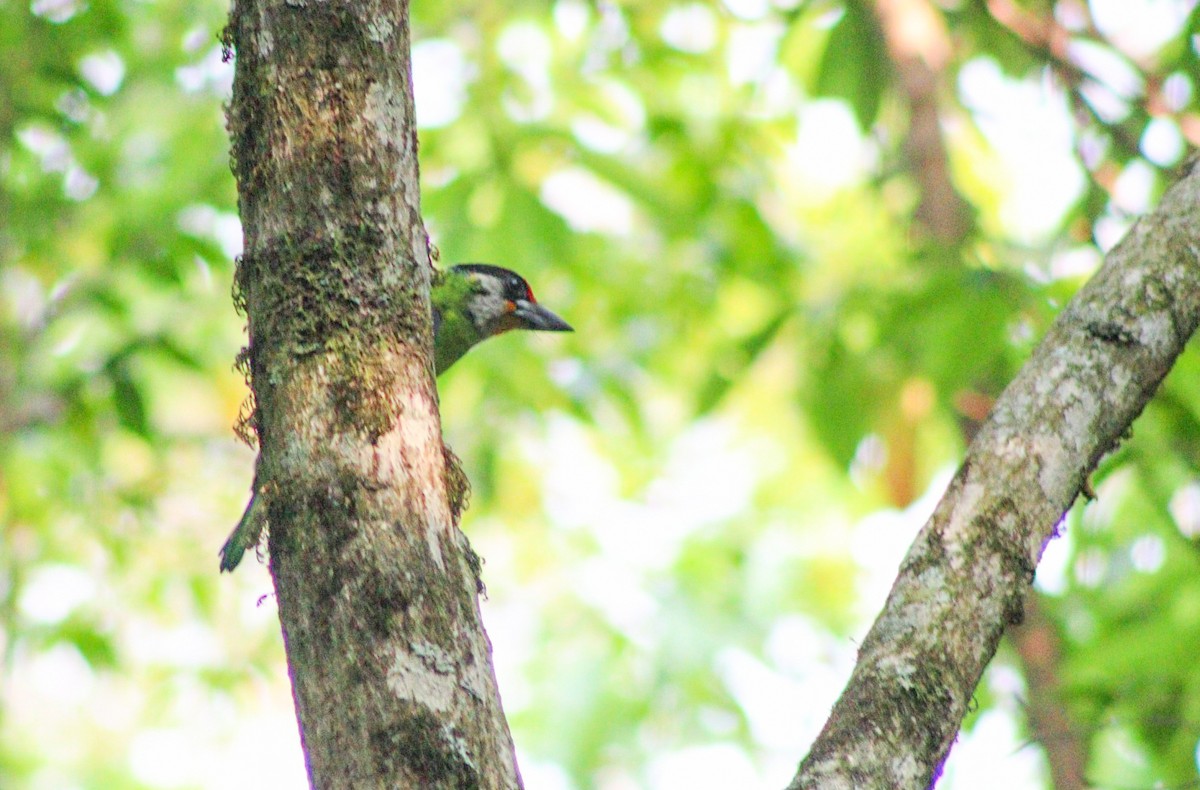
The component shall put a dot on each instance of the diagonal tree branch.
(966, 575)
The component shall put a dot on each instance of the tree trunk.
(1039, 646)
(968, 572)
(377, 589)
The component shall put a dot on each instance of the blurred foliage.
(690, 508)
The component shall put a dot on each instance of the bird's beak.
(534, 316)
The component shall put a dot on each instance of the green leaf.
(127, 399)
(855, 65)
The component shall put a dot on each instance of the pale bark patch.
(424, 676)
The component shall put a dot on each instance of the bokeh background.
(804, 244)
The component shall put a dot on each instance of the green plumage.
(454, 331)
(246, 534)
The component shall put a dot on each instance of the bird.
(475, 301)
(471, 302)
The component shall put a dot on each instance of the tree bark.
(919, 47)
(377, 589)
(967, 573)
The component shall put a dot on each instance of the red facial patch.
(529, 294)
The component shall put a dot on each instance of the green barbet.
(471, 302)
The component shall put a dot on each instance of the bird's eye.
(515, 288)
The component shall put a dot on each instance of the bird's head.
(501, 300)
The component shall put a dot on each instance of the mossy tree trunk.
(377, 589)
